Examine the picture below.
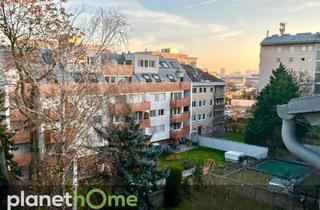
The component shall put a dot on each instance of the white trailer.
(233, 156)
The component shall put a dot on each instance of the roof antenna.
(282, 28)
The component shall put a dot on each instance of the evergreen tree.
(265, 126)
(138, 164)
(173, 188)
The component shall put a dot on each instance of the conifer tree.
(265, 126)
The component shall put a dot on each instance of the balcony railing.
(218, 119)
(219, 95)
(146, 123)
(135, 107)
(219, 107)
(184, 132)
(22, 159)
(180, 118)
(180, 102)
(21, 137)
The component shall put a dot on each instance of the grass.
(252, 177)
(197, 155)
(234, 136)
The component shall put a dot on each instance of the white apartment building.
(299, 53)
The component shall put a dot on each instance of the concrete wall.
(227, 145)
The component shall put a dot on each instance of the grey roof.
(300, 38)
(198, 75)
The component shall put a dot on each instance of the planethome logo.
(69, 200)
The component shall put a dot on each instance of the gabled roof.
(198, 75)
(300, 38)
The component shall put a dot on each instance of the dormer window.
(156, 77)
(164, 64)
(171, 77)
(147, 77)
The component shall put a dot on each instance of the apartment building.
(299, 53)
(207, 102)
(173, 53)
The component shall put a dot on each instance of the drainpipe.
(308, 107)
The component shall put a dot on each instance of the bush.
(173, 188)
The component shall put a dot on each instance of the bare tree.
(53, 69)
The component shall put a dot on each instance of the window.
(194, 90)
(204, 90)
(161, 97)
(116, 118)
(194, 103)
(157, 129)
(199, 116)
(200, 103)
(204, 103)
(211, 90)
(147, 77)
(176, 111)
(176, 126)
(146, 64)
(303, 59)
(211, 102)
(107, 79)
(303, 48)
(164, 64)
(175, 96)
(153, 113)
(171, 78)
(310, 48)
(203, 116)
(140, 63)
(156, 77)
(113, 79)
(78, 77)
(152, 64)
(278, 60)
(137, 116)
(291, 49)
(279, 49)
(90, 60)
(290, 60)
(93, 77)
(200, 90)
(194, 117)
(210, 115)
(174, 65)
(161, 112)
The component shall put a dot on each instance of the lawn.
(251, 177)
(234, 136)
(197, 155)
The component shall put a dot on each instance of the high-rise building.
(300, 53)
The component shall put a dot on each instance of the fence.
(227, 145)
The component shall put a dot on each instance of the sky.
(221, 33)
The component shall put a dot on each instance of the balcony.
(52, 136)
(146, 123)
(219, 94)
(21, 137)
(184, 132)
(22, 159)
(135, 107)
(180, 102)
(180, 118)
(118, 69)
(219, 107)
(219, 119)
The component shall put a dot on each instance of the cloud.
(306, 5)
(202, 3)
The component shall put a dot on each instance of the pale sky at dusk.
(221, 33)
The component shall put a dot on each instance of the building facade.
(300, 53)
(207, 102)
